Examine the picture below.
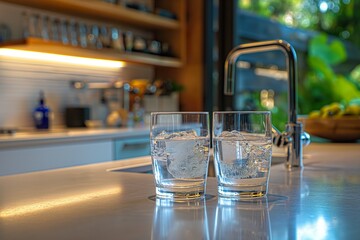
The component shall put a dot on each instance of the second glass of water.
(180, 145)
(242, 143)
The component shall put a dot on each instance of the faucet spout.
(233, 56)
(294, 129)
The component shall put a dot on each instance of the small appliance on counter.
(41, 113)
(76, 116)
(7, 131)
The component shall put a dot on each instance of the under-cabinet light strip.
(7, 52)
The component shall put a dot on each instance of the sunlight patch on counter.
(316, 230)
(58, 202)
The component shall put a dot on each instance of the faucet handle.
(305, 139)
(280, 139)
(283, 139)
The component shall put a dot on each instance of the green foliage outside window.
(339, 18)
(322, 85)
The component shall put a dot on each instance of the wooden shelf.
(39, 45)
(102, 11)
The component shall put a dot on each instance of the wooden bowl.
(341, 129)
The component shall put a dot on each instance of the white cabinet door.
(131, 147)
(28, 159)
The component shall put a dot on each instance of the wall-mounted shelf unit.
(100, 10)
(164, 29)
(186, 67)
(40, 45)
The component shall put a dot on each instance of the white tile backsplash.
(21, 81)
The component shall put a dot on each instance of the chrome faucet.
(293, 138)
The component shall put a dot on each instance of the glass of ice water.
(180, 143)
(242, 143)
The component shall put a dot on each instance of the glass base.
(242, 192)
(180, 195)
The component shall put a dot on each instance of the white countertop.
(28, 138)
(88, 202)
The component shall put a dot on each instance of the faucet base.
(294, 148)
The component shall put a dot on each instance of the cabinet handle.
(134, 145)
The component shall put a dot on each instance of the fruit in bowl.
(336, 122)
(336, 110)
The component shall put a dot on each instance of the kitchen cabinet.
(131, 147)
(44, 157)
(28, 152)
(183, 34)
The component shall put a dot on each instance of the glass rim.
(168, 113)
(244, 112)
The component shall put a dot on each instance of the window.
(325, 29)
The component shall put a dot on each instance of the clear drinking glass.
(44, 27)
(64, 31)
(82, 34)
(180, 145)
(242, 143)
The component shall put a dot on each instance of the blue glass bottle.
(41, 114)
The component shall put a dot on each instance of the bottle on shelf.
(41, 113)
(138, 112)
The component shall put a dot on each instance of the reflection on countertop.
(171, 219)
(247, 219)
